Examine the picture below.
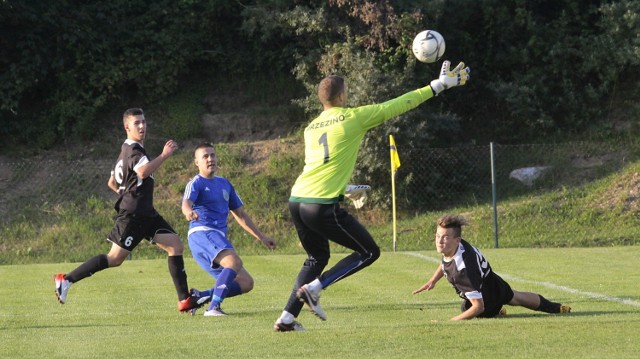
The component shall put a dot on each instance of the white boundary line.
(561, 288)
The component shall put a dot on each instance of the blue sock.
(234, 289)
(224, 281)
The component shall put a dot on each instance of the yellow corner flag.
(395, 159)
(395, 163)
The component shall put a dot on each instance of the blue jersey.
(212, 200)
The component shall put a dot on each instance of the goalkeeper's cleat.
(216, 311)
(565, 309)
(194, 301)
(291, 327)
(312, 300)
(62, 287)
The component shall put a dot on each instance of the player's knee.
(245, 281)
(374, 254)
(248, 285)
(115, 261)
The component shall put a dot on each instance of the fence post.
(494, 196)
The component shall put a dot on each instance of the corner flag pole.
(395, 163)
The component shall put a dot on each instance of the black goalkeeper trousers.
(316, 225)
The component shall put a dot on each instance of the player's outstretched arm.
(245, 221)
(450, 77)
(437, 275)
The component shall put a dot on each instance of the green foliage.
(538, 69)
(65, 63)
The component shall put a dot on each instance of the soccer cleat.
(311, 300)
(503, 311)
(565, 309)
(291, 327)
(193, 302)
(62, 287)
(215, 312)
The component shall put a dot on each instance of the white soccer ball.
(428, 46)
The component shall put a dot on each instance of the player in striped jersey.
(483, 291)
(332, 141)
(137, 219)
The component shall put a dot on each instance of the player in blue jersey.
(137, 219)
(206, 203)
(332, 141)
(483, 291)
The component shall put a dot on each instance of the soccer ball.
(428, 46)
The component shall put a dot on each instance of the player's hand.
(357, 193)
(169, 147)
(427, 286)
(192, 216)
(269, 242)
(450, 78)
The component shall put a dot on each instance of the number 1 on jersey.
(325, 144)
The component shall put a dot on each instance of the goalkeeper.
(332, 141)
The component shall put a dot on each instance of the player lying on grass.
(332, 141)
(482, 290)
(206, 204)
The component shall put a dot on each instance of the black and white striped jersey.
(136, 195)
(468, 271)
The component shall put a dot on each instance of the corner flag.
(395, 159)
(395, 163)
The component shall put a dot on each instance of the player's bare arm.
(245, 221)
(112, 183)
(477, 308)
(187, 210)
(148, 169)
(437, 275)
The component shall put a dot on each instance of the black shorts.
(496, 294)
(129, 230)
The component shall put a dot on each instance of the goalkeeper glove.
(450, 78)
(357, 193)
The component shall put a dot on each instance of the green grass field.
(130, 311)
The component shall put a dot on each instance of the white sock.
(315, 286)
(286, 317)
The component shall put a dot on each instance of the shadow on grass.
(58, 326)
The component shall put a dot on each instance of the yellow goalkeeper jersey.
(332, 142)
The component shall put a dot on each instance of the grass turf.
(130, 311)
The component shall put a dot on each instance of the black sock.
(179, 276)
(88, 268)
(548, 306)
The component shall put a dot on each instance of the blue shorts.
(205, 246)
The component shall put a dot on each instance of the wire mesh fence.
(444, 178)
(450, 177)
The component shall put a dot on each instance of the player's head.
(449, 233)
(205, 158)
(134, 124)
(332, 91)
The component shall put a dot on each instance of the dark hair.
(136, 111)
(330, 88)
(455, 221)
(203, 145)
